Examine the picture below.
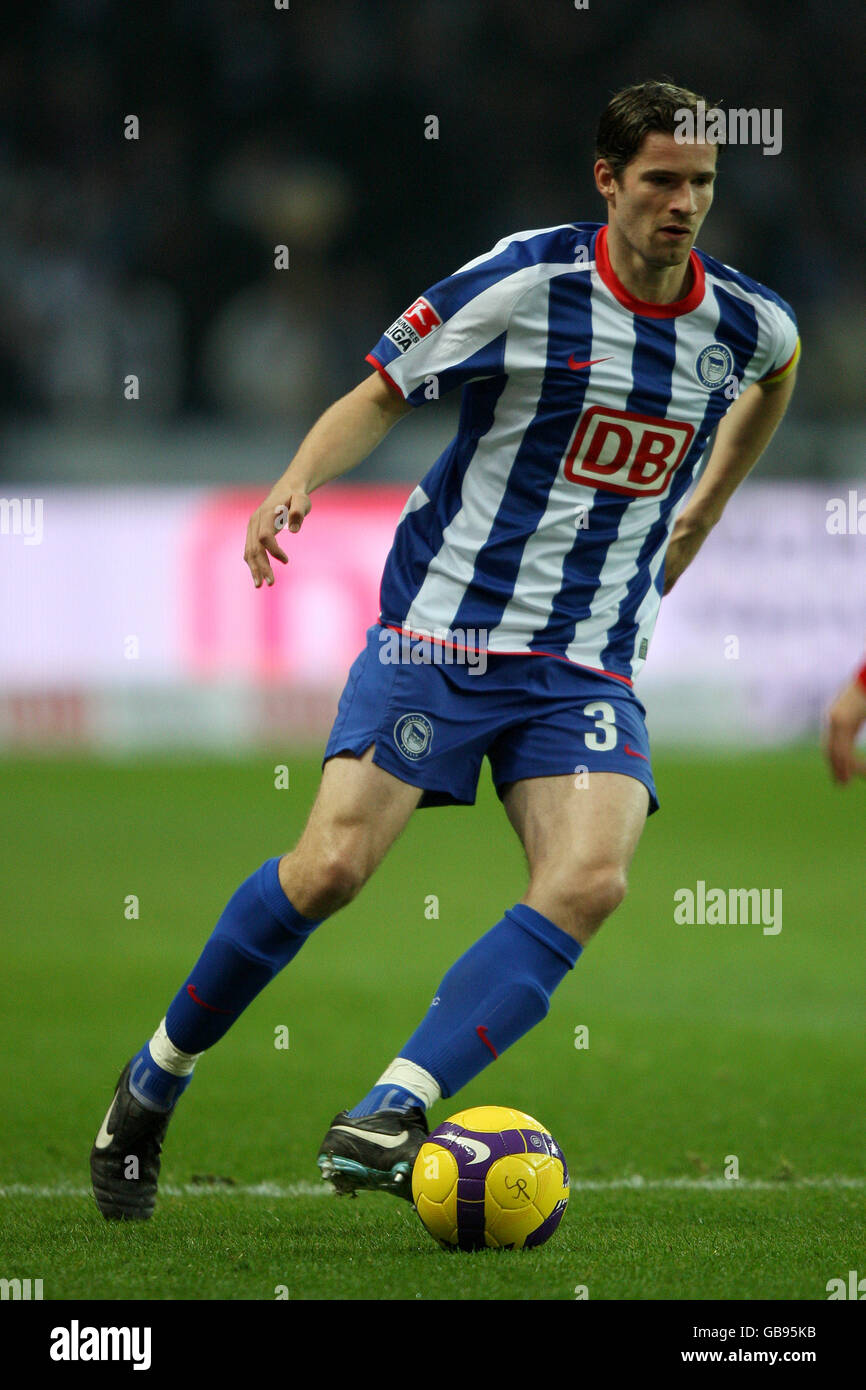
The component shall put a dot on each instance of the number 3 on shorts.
(603, 737)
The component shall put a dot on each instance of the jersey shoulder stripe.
(786, 368)
(720, 271)
(457, 330)
(538, 245)
(776, 315)
(520, 251)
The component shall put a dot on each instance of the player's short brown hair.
(633, 113)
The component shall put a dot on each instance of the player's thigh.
(359, 811)
(571, 825)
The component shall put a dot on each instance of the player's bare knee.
(345, 873)
(581, 901)
(599, 891)
(340, 874)
(321, 881)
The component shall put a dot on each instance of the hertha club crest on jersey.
(413, 325)
(714, 366)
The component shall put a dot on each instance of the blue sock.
(154, 1087)
(494, 994)
(258, 934)
(385, 1097)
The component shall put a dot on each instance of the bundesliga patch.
(418, 320)
(713, 366)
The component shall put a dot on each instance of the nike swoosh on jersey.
(633, 753)
(387, 1141)
(576, 366)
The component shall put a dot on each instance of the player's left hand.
(845, 717)
(686, 540)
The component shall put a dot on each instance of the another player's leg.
(359, 811)
(579, 844)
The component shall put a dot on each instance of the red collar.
(642, 306)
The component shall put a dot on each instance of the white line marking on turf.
(637, 1183)
(279, 1191)
(189, 1189)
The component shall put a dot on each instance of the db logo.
(634, 455)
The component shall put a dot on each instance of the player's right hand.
(262, 530)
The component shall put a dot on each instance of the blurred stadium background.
(128, 618)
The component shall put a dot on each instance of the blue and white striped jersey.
(585, 413)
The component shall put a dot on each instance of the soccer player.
(517, 606)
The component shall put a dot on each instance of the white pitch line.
(189, 1189)
(635, 1183)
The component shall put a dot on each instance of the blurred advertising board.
(129, 617)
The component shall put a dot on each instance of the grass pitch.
(706, 1044)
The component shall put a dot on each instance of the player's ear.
(604, 178)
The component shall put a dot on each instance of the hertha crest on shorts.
(413, 735)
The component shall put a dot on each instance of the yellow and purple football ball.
(490, 1177)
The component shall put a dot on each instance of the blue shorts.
(433, 720)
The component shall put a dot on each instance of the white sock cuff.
(169, 1057)
(414, 1078)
